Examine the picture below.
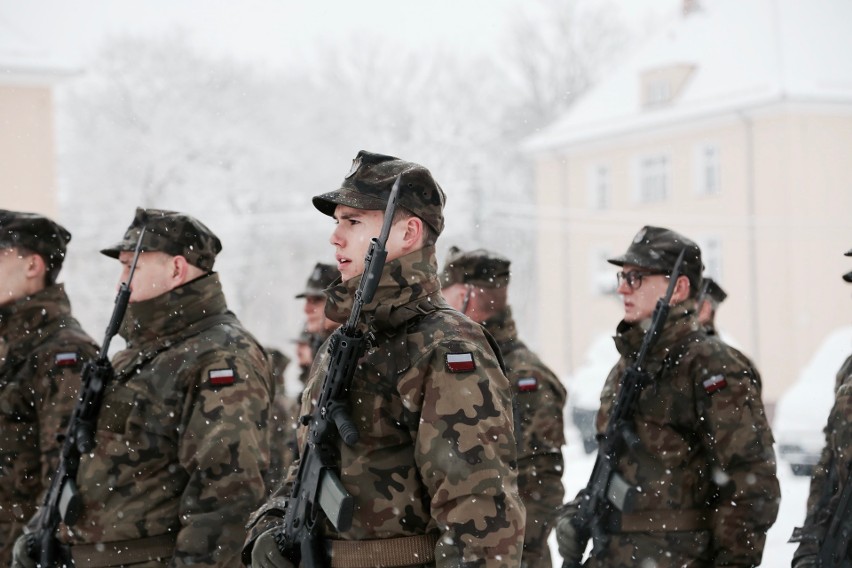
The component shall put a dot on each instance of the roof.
(743, 54)
(22, 60)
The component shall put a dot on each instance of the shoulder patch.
(221, 377)
(527, 384)
(460, 362)
(67, 359)
(714, 383)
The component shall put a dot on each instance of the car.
(585, 386)
(802, 412)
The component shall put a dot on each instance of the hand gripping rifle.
(317, 492)
(605, 484)
(62, 502)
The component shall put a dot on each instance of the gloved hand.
(809, 561)
(21, 554)
(569, 542)
(265, 553)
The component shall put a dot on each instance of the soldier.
(696, 484)
(708, 302)
(281, 423)
(316, 322)
(181, 440)
(831, 475)
(433, 474)
(42, 351)
(476, 284)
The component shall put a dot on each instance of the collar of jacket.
(171, 312)
(33, 313)
(502, 327)
(404, 281)
(682, 321)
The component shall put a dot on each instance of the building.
(735, 128)
(28, 160)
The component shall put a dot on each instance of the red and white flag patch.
(714, 383)
(460, 362)
(68, 359)
(527, 384)
(222, 377)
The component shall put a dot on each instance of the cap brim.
(115, 249)
(848, 252)
(328, 202)
(635, 260)
(311, 293)
(848, 276)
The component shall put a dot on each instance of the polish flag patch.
(714, 383)
(527, 384)
(68, 359)
(460, 362)
(222, 377)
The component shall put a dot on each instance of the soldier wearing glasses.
(698, 478)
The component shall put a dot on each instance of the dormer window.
(663, 85)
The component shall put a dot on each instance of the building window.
(711, 256)
(599, 188)
(653, 180)
(603, 282)
(658, 92)
(708, 179)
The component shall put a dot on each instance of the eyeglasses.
(634, 278)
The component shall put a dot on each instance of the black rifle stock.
(317, 492)
(62, 502)
(595, 507)
(834, 550)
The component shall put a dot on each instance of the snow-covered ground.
(777, 553)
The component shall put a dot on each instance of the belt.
(17, 513)
(658, 521)
(383, 553)
(121, 552)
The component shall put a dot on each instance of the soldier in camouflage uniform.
(697, 484)
(316, 323)
(433, 474)
(708, 302)
(181, 437)
(281, 423)
(476, 284)
(832, 472)
(42, 351)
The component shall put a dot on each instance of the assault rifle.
(605, 485)
(62, 502)
(834, 551)
(317, 493)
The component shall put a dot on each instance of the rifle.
(834, 549)
(605, 485)
(317, 492)
(62, 502)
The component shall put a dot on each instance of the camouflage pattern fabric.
(832, 471)
(181, 439)
(42, 352)
(437, 449)
(704, 445)
(540, 400)
(282, 422)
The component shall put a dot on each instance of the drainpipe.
(751, 234)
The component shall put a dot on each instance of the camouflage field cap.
(714, 291)
(35, 233)
(321, 278)
(368, 185)
(848, 275)
(173, 233)
(480, 267)
(657, 249)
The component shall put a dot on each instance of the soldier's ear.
(36, 267)
(412, 238)
(681, 291)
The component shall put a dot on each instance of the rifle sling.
(123, 552)
(666, 520)
(383, 553)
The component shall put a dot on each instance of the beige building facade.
(744, 145)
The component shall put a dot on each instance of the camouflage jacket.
(42, 352)
(539, 403)
(832, 472)
(704, 446)
(282, 422)
(181, 439)
(437, 450)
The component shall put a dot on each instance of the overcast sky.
(279, 32)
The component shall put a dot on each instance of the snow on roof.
(743, 53)
(22, 60)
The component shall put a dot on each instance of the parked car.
(585, 385)
(802, 411)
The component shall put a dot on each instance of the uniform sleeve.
(540, 401)
(735, 431)
(225, 450)
(465, 452)
(830, 474)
